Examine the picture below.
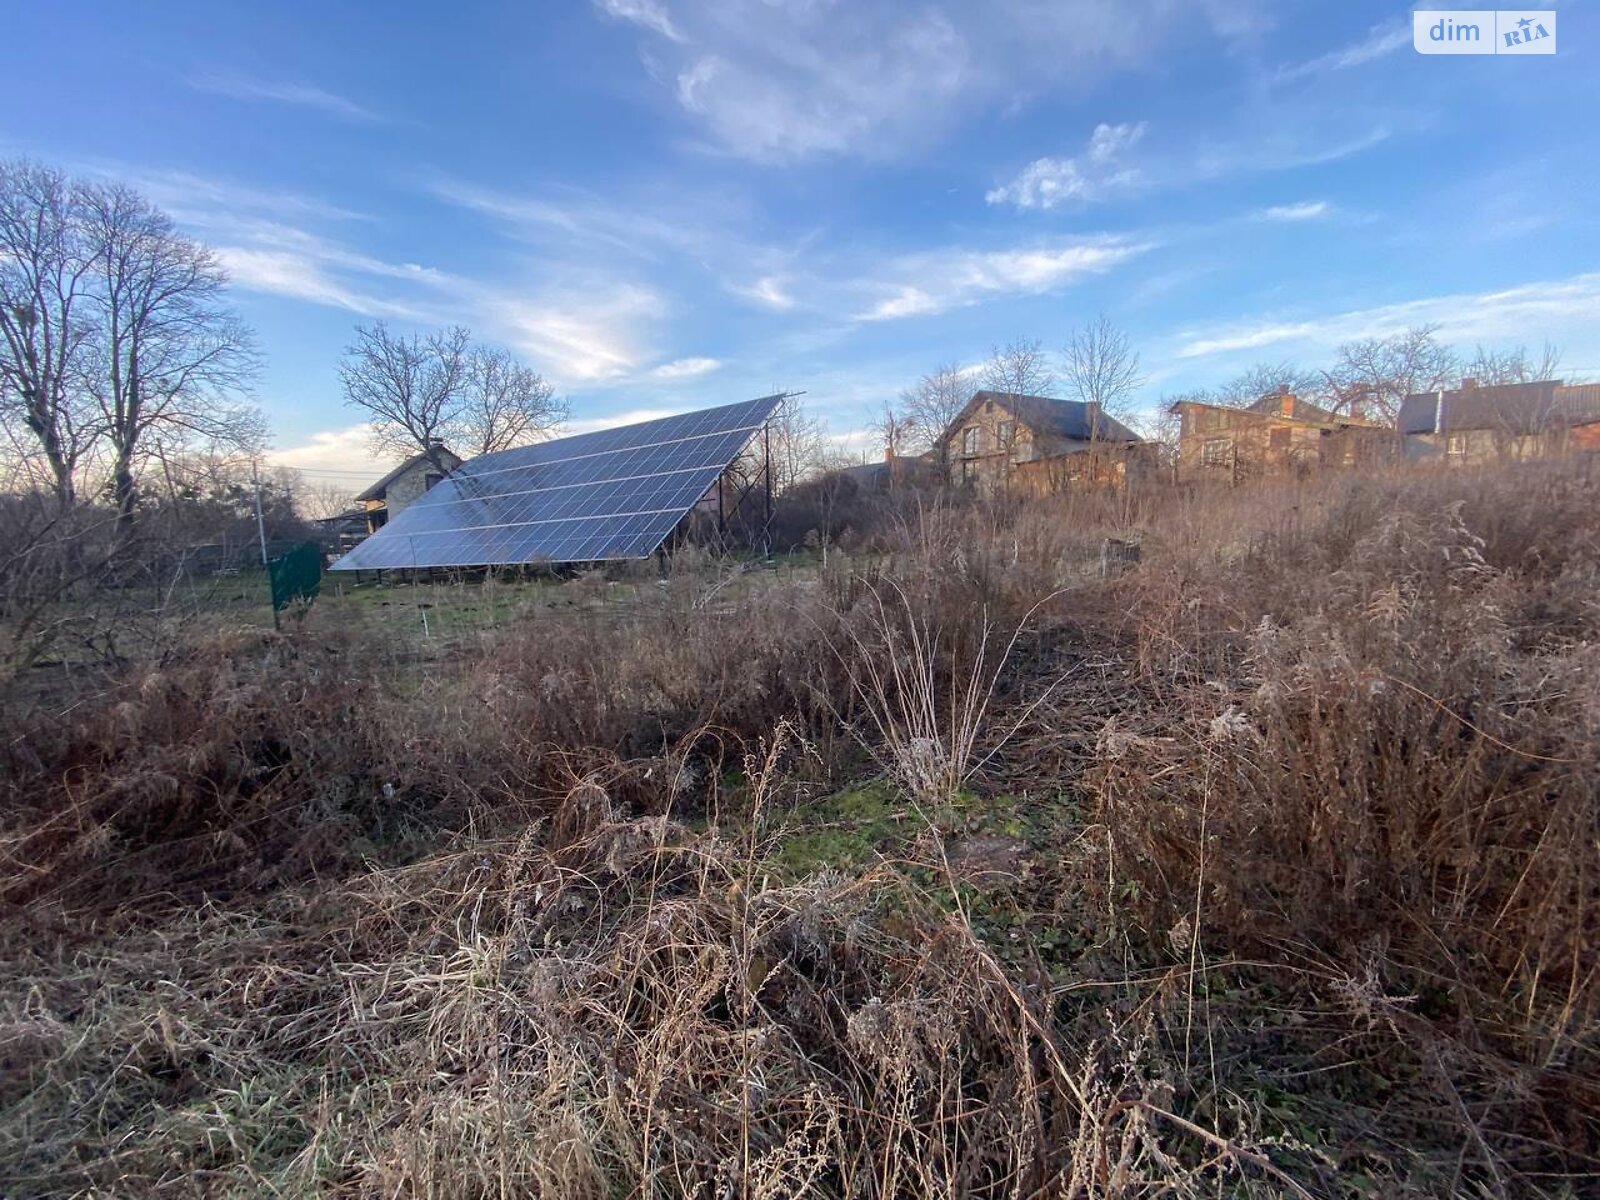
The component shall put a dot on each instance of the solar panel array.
(611, 494)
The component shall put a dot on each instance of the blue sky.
(663, 204)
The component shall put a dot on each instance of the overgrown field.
(1270, 866)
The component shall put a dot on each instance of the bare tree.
(934, 401)
(410, 387)
(174, 357)
(46, 274)
(423, 392)
(799, 445)
(1269, 379)
(895, 429)
(1381, 372)
(1513, 366)
(1100, 368)
(503, 403)
(320, 499)
(1020, 368)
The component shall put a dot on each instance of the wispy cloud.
(1098, 172)
(302, 276)
(768, 291)
(280, 91)
(1305, 210)
(343, 456)
(685, 368)
(940, 280)
(589, 342)
(781, 81)
(631, 417)
(1529, 312)
(1380, 42)
(651, 14)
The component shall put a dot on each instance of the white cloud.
(686, 368)
(940, 280)
(791, 79)
(589, 342)
(1380, 42)
(1305, 210)
(1530, 312)
(596, 338)
(1099, 171)
(302, 95)
(650, 13)
(614, 420)
(768, 291)
(343, 456)
(302, 277)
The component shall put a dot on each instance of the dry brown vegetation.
(1270, 867)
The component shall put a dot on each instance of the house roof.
(377, 490)
(1071, 419)
(1578, 405)
(1272, 406)
(1303, 410)
(1513, 408)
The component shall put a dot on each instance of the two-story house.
(1277, 434)
(1002, 439)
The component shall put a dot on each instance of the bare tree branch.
(1378, 373)
(928, 406)
(46, 275)
(410, 388)
(503, 404)
(1020, 368)
(1100, 368)
(174, 358)
(424, 392)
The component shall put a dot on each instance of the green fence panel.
(296, 575)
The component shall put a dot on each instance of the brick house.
(1473, 423)
(1001, 439)
(402, 485)
(1278, 434)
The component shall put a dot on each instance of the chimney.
(1468, 384)
(1286, 403)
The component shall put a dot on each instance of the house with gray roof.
(1000, 439)
(1479, 423)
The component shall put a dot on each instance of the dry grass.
(1268, 868)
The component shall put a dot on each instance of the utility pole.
(261, 522)
(261, 532)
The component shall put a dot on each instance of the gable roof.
(1272, 406)
(377, 490)
(1071, 419)
(1512, 408)
(1303, 410)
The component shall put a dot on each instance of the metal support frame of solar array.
(595, 497)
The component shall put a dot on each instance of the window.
(430, 479)
(1278, 439)
(1008, 434)
(1216, 452)
(1455, 446)
(969, 440)
(969, 472)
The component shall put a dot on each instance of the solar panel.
(611, 494)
